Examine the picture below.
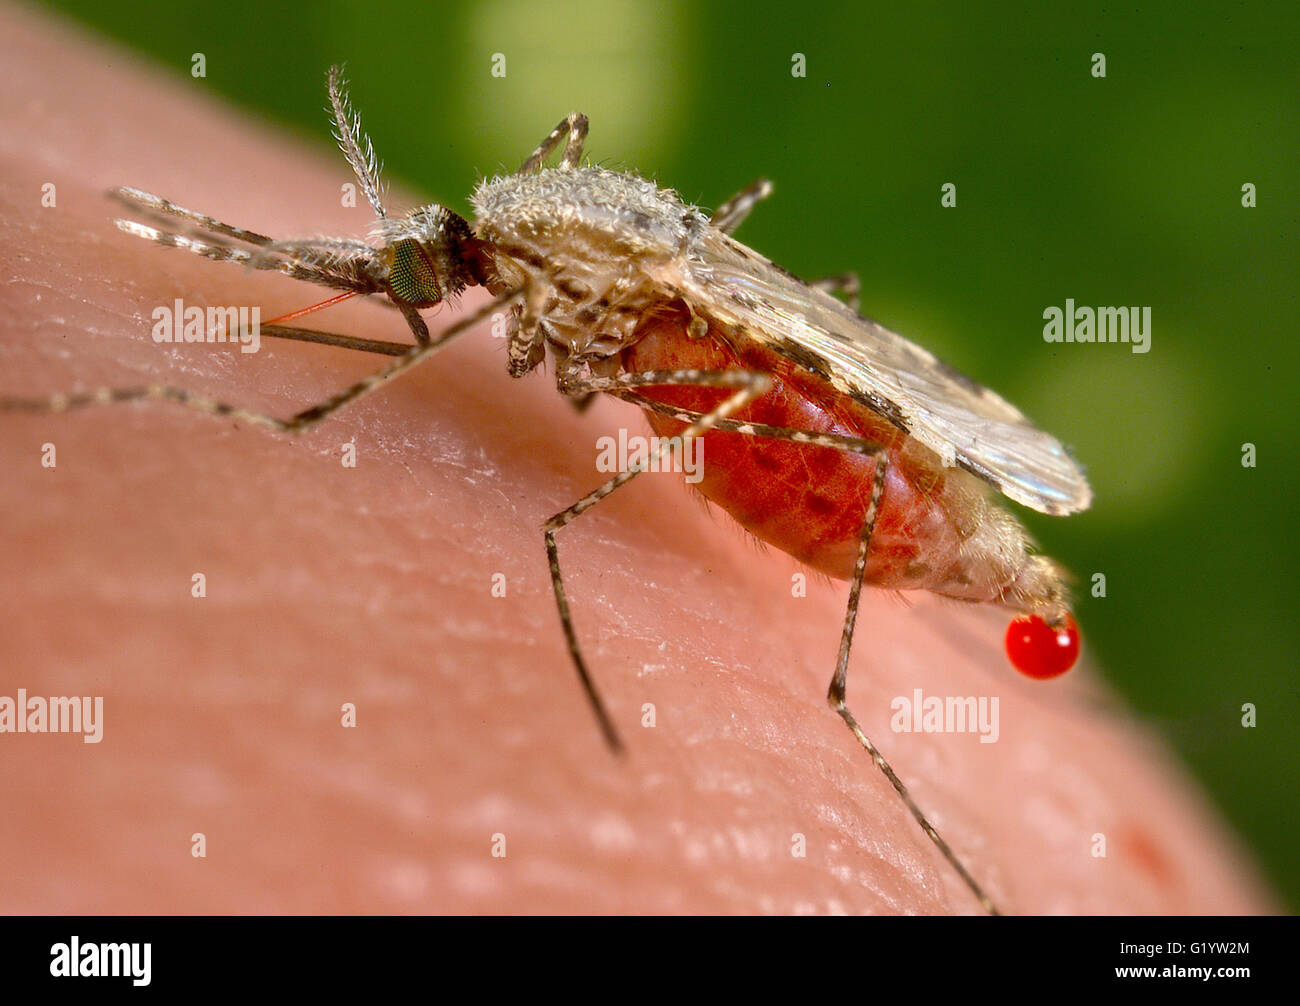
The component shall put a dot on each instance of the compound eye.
(412, 277)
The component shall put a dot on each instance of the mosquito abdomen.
(937, 530)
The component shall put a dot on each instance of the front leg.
(845, 283)
(527, 345)
(733, 212)
(748, 386)
(574, 126)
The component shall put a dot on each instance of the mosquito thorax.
(431, 255)
(590, 212)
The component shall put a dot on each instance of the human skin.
(373, 585)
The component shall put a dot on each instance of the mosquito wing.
(964, 423)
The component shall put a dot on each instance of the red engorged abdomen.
(807, 501)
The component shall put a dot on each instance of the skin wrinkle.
(458, 738)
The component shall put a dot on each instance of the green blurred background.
(1115, 191)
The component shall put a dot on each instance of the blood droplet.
(1038, 650)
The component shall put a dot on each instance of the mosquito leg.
(298, 423)
(353, 141)
(839, 686)
(527, 345)
(375, 346)
(418, 327)
(845, 283)
(582, 401)
(733, 212)
(839, 682)
(749, 386)
(575, 127)
(855, 445)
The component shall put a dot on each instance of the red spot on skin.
(1140, 848)
(1038, 650)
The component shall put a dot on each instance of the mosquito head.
(431, 255)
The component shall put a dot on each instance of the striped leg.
(574, 126)
(377, 346)
(300, 422)
(749, 386)
(845, 283)
(839, 681)
(733, 212)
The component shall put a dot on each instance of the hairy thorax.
(594, 243)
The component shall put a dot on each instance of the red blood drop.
(1037, 650)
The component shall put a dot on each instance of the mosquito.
(827, 435)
